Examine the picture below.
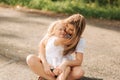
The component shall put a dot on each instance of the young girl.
(55, 49)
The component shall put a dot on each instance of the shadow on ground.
(90, 78)
(105, 24)
(20, 20)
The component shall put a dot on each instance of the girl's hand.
(60, 68)
(57, 71)
(47, 69)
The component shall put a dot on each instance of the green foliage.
(108, 9)
(38, 4)
(15, 2)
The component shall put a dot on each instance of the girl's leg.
(36, 66)
(76, 73)
(64, 75)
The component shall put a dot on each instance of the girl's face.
(70, 29)
(60, 30)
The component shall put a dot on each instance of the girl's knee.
(82, 73)
(78, 73)
(30, 59)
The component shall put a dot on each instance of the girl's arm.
(77, 62)
(70, 63)
(42, 56)
(42, 51)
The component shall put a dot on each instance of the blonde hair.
(51, 28)
(78, 21)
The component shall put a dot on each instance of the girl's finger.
(51, 73)
(56, 72)
(59, 71)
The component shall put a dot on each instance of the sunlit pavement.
(20, 34)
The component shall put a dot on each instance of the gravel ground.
(20, 33)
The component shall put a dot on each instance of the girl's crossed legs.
(36, 66)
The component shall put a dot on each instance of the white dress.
(54, 53)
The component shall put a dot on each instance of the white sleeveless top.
(54, 54)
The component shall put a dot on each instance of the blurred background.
(23, 23)
(103, 9)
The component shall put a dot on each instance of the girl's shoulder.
(81, 41)
(51, 39)
(81, 45)
(46, 39)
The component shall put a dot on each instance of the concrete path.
(21, 32)
(14, 70)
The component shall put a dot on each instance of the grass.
(89, 10)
